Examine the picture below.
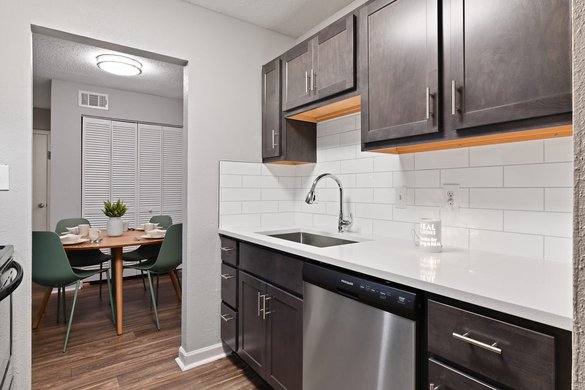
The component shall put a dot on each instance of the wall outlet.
(401, 197)
(4, 177)
(451, 197)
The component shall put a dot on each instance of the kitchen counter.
(534, 289)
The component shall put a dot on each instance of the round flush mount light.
(119, 65)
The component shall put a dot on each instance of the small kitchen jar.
(427, 235)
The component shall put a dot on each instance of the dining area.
(67, 258)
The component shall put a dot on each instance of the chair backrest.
(171, 250)
(165, 221)
(63, 224)
(50, 265)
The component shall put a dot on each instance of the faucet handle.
(345, 223)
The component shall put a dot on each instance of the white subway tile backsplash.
(539, 175)
(558, 149)
(514, 198)
(558, 199)
(453, 158)
(507, 198)
(473, 177)
(507, 154)
(240, 168)
(513, 244)
(558, 249)
(357, 166)
(543, 223)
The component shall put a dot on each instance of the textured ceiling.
(288, 17)
(55, 58)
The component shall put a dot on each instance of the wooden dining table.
(116, 245)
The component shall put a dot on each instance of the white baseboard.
(192, 359)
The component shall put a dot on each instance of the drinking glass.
(94, 234)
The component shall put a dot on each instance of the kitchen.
(471, 160)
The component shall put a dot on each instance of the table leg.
(118, 275)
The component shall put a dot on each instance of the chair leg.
(101, 269)
(110, 296)
(71, 316)
(58, 302)
(64, 307)
(176, 284)
(43, 307)
(157, 277)
(178, 278)
(153, 300)
(143, 282)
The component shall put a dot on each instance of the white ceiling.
(55, 58)
(288, 17)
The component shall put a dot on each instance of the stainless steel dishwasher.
(357, 333)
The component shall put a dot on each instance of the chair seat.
(143, 266)
(86, 273)
(87, 258)
(143, 252)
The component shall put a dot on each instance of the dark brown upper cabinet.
(506, 60)
(271, 109)
(399, 69)
(321, 66)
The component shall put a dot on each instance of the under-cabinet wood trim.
(330, 111)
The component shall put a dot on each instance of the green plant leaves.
(113, 210)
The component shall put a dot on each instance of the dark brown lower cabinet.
(271, 332)
(442, 377)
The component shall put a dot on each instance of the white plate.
(152, 238)
(80, 241)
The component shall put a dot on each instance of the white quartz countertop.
(528, 288)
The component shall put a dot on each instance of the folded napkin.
(69, 238)
(156, 233)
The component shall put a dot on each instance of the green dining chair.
(51, 269)
(146, 252)
(86, 258)
(169, 257)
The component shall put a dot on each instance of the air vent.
(93, 100)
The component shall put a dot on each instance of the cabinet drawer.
(229, 251)
(278, 268)
(229, 326)
(446, 378)
(508, 354)
(229, 285)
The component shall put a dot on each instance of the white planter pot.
(115, 227)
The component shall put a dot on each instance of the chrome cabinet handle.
(454, 90)
(428, 102)
(489, 347)
(273, 141)
(264, 312)
(259, 296)
(227, 276)
(433, 387)
(306, 82)
(312, 75)
(227, 317)
(226, 249)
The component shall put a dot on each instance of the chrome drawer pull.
(465, 337)
(227, 276)
(259, 303)
(264, 312)
(433, 387)
(227, 317)
(227, 248)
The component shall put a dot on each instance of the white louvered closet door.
(124, 167)
(172, 174)
(96, 169)
(149, 171)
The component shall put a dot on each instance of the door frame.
(48, 197)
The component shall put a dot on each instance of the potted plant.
(115, 211)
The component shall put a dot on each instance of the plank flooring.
(142, 358)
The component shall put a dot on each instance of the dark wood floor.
(142, 358)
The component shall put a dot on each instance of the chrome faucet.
(311, 197)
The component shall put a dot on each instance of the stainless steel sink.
(312, 239)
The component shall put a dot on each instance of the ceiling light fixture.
(119, 65)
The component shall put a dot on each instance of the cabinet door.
(124, 167)
(445, 378)
(172, 173)
(271, 109)
(284, 314)
(149, 171)
(334, 68)
(252, 325)
(296, 86)
(399, 64)
(506, 60)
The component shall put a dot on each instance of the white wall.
(222, 112)
(66, 135)
(327, 21)
(515, 198)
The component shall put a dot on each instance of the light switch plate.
(4, 177)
